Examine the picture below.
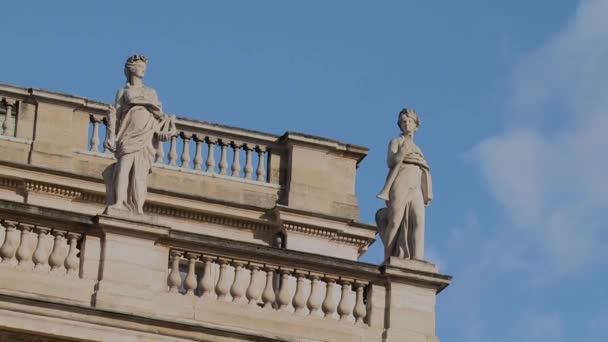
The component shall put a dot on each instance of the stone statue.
(407, 191)
(142, 125)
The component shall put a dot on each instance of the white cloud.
(549, 169)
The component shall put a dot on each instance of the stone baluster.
(316, 296)
(198, 154)
(2, 234)
(329, 304)
(223, 162)
(41, 254)
(173, 151)
(72, 263)
(159, 157)
(206, 283)
(236, 160)
(254, 291)
(7, 125)
(261, 170)
(175, 279)
(248, 170)
(11, 243)
(299, 299)
(344, 306)
(58, 254)
(24, 252)
(284, 298)
(185, 150)
(239, 286)
(190, 281)
(360, 310)
(94, 143)
(268, 296)
(104, 121)
(222, 288)
(210, 163)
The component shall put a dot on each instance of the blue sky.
(512, 96)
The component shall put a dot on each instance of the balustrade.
(29, 247)
(186, 151)
(252, 284)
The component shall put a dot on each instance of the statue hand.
(110, 144)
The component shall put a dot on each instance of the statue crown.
(136, 58)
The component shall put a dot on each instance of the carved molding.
(194, 215)
(332, 235)
(51, 189)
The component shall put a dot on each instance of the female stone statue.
(407, 191)
(141, 126)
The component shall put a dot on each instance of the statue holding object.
(407, 191)
(142, 125)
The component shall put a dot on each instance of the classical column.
(72, 263)
(344, 306)
(254, 291)
(261, 170)
(173, 151)
(210, 163)
(24, 252)
(316, 296)
(268, 296)
(58, 254)
(41, 254)
(329, 304)
(206, 283)
(190, 281)
(223, 283)
(175, 279)
(239, 286)
(248, 170)
(11, 243)
(223, 161)
(185, 150)
(299, 299)
(360, 310)
(284, 297)
(198, 154)
(94, 143)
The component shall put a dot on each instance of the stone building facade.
(247, 236)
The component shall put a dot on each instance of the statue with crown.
(136, 126)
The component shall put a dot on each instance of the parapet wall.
(209, 173)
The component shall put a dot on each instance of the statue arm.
(395, 153)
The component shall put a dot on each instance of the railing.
(242, 154)
(40, 249)
(8, 115)
(268, 286)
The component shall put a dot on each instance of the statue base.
(412, 264)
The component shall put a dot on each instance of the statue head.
(408, 121)
(136, 66)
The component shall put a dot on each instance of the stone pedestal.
(133, 261)
(412, 288)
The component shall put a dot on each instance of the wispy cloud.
(548, 170)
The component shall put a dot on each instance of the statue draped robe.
(402, 228)
(142, 125)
